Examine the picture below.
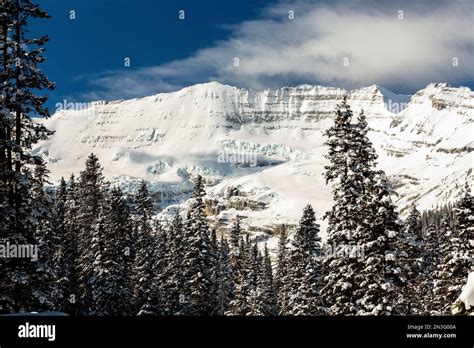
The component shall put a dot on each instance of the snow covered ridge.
(272, 144)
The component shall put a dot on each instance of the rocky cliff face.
(261, 152)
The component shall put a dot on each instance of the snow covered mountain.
(261, 152)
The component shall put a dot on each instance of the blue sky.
(104, 32)
(402, 51)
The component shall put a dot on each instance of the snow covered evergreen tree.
(442, 277)
(173, 276)
(99, 277)
(380, 274)
(58, 225)
(413, 247)
(241, 302)
(144, 286)
(90, 200)
(456, 248)
(431, 260)
(254, 272)
(45, 289)
(159, 268)
(461, 261)
(235, 234)
(21, 81)
(344, 218)
(305, 268)
(235, 252)
(116, 255)
(224, 281)
(362, 218)
(282, 278)
(269, 304)
(68, 257)
(197, 258)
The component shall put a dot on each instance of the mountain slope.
(261, 152)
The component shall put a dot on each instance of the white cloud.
(274, 51)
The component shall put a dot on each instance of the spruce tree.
(381, 274)
(241, 303)
(345, 215)
(144, 286)
(68, 257)
(99, 277)
(173, 276)
(305, 269)
(20, 98)
(60, 257)
(431, 260)
(224, 280)
(235, 233)
(413, 248)
(456, 249)
(235, 252)
(255, 269)
(159, 267)
(266, 284)
(116, 256)
(197, 258)
(442, 277)
(362, 218)
(91, 188)
(45, 289)
(214, 265)
(461, 260)
(282, 278)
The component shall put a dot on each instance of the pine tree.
(456, 249)
(21, 80)
(44, 287)
(116, 256)
(99, 277)
(305, 269)
(431, 260)
(224, 280)
(143, 208)
(362, 217)
(197, 258)
(282, 278)
(159, 267)
(91, 188)
(67, 257)
(254, 273)
(235, 252)
(6, 203)
(413, 247)
(345, 215)
(266, 284)
(214, 268)
(442, 277)
(58, 226)
(235, 233)
(380, 274)
(461, 261)
(173, 276)
(144, 287)
(241, 302)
